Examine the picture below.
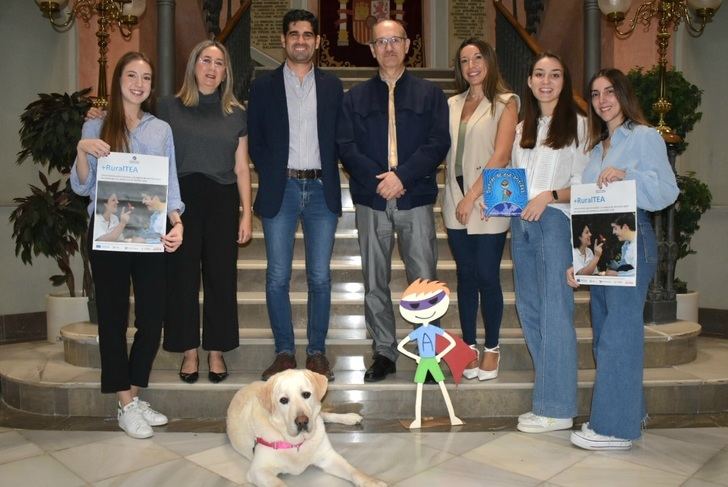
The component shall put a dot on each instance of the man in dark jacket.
(392, 134)
(292, 116)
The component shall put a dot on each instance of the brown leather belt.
(304, 173)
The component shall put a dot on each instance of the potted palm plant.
(695, 197)
(52, 220)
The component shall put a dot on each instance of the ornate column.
(165, 47)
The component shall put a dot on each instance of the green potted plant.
(52, 220)
(695, 197)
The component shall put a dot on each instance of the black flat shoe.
(190, 377)
(216, 377)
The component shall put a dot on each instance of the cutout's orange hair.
(425, 286)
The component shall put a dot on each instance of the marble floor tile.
(113, 457)
(176, 473)
(14, 447)
(604, 470)
(527, 455)
(693, 482)
(60, 440)
(463, 472)
(716, 469)
(40, 471)
(388, 457)
(455, 442)
(224, 461)
(701, 436)
(185, 444)
(665, 453)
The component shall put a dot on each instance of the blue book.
(504, 191)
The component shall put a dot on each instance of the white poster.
(131, 203)
(604, 233)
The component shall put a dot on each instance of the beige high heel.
(490, 374)
(473, 373)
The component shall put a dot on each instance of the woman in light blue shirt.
(623, 147)
(129, 128)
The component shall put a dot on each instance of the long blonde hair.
(189, 93)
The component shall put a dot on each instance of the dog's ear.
(265, 395)
(320, 383)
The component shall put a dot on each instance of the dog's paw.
(351, 418)
(363, 480)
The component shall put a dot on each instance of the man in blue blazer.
(292, 115)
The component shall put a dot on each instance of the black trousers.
(209, 249)
(113, 272)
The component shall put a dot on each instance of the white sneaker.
(589, 439)
(132, 421)
(543, 424)
(526, 416)
(152, 417)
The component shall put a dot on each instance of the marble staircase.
(681, 375)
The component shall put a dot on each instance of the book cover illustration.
(505, 192)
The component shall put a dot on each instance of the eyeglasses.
(208, 61)
(394, 41)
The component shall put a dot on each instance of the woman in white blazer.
(483, 121)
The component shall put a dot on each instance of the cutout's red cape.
(457, 358)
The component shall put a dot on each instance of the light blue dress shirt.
(152, 137)
(303, 141)
(641, 152)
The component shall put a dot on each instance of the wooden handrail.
(230, 24)
(527, 38)
(533, 45)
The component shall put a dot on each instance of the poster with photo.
(131, 203)
(604, 233)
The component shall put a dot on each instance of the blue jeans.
(477, 259)
(617, 315)
(541, 254)
(302, 199)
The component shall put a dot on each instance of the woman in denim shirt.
(622, 147)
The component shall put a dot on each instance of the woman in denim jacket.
(623, 147)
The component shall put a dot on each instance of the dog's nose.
(302, 423)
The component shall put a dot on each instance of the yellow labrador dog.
(278, 425)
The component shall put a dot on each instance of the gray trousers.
(415, 230)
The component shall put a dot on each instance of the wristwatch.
(555, 195)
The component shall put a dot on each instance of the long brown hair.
(628, 102)
(563, 130)
(493, 84)
(189, 94)
(114, 130)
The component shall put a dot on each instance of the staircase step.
(36, 379)
(346, 201)
(347, 310)
(665, 346)
(346, 274)
(346, 245)
(347, 221)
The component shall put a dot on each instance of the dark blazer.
(268, 138)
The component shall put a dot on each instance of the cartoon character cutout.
(422, 302)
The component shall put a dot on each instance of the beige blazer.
(477, 151)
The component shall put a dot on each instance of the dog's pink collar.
(277, 445)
